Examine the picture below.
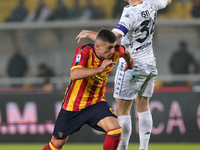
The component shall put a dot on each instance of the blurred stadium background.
(29, 104)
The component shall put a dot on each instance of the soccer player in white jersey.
(136, 27)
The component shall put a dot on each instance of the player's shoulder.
(86, 45)
(129, 9)
(119, 47)
(119, 50)
(129, 14)
(84, 48)
(135, 11)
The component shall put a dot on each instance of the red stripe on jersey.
(80, 95)
(102, 92)
(68, 94)
(92, 93)
(93, 58)
(68, 87)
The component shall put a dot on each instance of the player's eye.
(110, 47)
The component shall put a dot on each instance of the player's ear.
(96, 45)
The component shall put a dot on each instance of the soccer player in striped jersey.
(84, 101)
(136, 27)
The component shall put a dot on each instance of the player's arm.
(81, 72)
(129, 61)
(92, 35)
(86, 34)
(118, 35)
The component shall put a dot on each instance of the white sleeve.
(125, 41)
(126, 22)
(159, 4)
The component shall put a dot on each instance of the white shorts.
(131, 83)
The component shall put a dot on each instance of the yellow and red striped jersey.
(85, 92)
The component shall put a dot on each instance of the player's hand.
(129, 66)
(105, 65)
(82, 34)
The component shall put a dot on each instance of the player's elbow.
(73, 78)
(118, 35)
(73, 75)
(77, 74)
(169, 1)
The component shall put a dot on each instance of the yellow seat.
(180, 10)
(6, 7)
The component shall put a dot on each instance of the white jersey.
(136, 25)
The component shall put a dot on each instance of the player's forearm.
(128, 58)
(92, 35)
(81, 73)
(86, 34)
(129, 61)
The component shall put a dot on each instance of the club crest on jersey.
(60, 134)
(145, 14)
(78, 58)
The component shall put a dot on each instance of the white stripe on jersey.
(137, 27)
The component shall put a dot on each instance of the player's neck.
(135, 2)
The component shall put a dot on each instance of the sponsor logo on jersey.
(143, 46)
(127, 16)
(148, 132)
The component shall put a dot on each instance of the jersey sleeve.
(126, 22)
(80, 58)
(120, 49)
(159, 4)
(125, 41)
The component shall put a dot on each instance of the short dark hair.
(106, 36)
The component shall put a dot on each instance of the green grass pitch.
(92, 146)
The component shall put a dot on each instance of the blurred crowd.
(53, 10)
(181, 61)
